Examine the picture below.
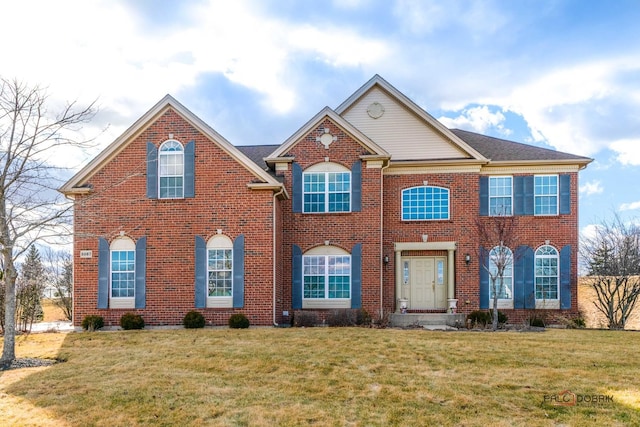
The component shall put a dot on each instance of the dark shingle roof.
(257, 153)
(498, 149)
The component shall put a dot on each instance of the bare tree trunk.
(9, 345)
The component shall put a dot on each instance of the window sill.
(505, 304)
(326, 303)
(122, 302)
(552, 304)
(219, 302)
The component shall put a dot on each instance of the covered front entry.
(424, 282)
(425, 279)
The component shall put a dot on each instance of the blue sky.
(559, 74)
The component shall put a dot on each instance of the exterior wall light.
(467, 259)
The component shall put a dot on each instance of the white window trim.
(121, 244)
(505, 303)
(448, 218)
(160, 176)
(540, 195)
(327, 168)
(501, 197)
(322, 303)
(223, 242)
(547, 303)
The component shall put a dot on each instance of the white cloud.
(478, 119)
(592, 187)
(630, 206)
(574, 108)
(628, 151)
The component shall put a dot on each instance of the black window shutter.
(356, 186)
(356, 276)
(518, 195)
(189, 169)
(565, 278)
(238, 272)
(484, 195)
(296, 279)
(565, 194)
(103, 273)
(529, 274)
(296, 176)
(141, 273)
(152, 171)
(484, 278)
(201, 273)
(528, 195)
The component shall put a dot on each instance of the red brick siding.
(118, 203)
(343, 230)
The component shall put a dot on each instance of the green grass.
(324, 376)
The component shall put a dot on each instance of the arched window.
(171, 170)
(501, 258)
(326, 274)
(123, 272)
(546, 273)
(425, 203)
(326, 188)
(220, 267)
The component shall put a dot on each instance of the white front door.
(427, 283)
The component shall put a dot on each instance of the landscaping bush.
(341, 317)
(92, 322)
(193, 319)
(536, 321)
(305, 319)
(239, 321)
(479, 318)
(483, 318)
(131, 321)
(363, 318)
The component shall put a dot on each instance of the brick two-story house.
(374, 205)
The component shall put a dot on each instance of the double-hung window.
(171, 170)
(545, 194)
(326, 277)
(326, 190)
(501, 276)
(500, 195)
(425, 203)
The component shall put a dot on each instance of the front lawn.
(326, 376)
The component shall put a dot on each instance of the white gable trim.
(327, 112)
(74, 185)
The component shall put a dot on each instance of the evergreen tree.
(30, 286)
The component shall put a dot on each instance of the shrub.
(131, 321)
(92, 322)
(239, 321)
(536, 321)
(363, 318)
(341, 317)
(502, 318)
(479, 318)
(305, 319)
(484, 318)
(193, 319)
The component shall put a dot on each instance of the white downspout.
(273, 245)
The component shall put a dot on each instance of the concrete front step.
(400, 320)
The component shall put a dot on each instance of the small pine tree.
(29, 289)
